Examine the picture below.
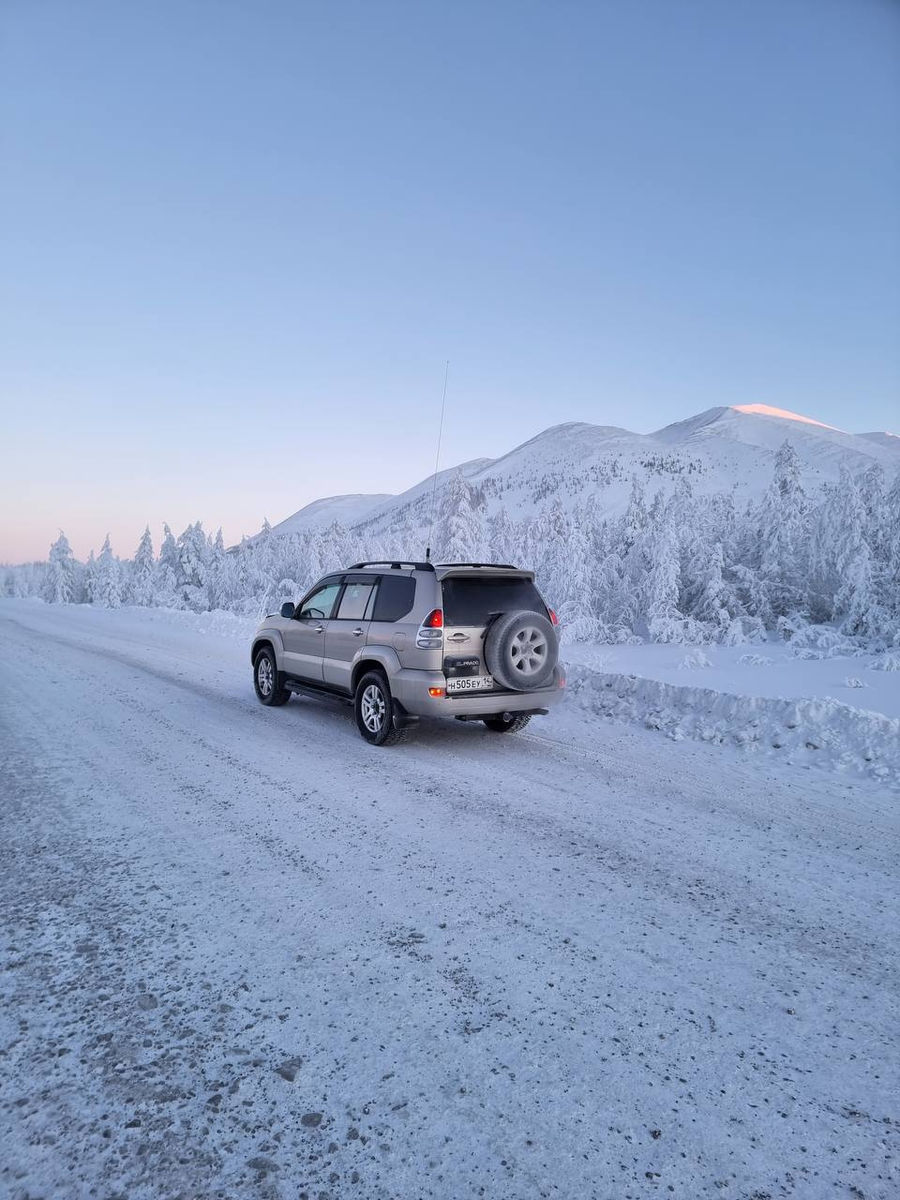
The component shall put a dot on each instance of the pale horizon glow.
(244, 242)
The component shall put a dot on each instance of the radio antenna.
(437, 459)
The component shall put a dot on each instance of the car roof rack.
(395, 564)
(501, 566)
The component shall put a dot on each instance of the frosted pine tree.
(165, 583)
(60, 584)
(297, 563)
(634, 532)
(782, 540)
(107, 578)
(890, 577)
(574, 594)
(216, 586)
(237, 579)
(143, 570)
(709, 602)
(549, 551)
(659, 609)
(635, 523)
(856, 598)
(89, 579)
(193, 563)
(460, 531)
(503, 539)
(616, 603)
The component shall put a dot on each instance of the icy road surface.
(246, 955)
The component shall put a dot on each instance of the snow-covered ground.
(246, 954)
(774, 669)
(816, 702)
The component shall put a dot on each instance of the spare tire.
(521, 649)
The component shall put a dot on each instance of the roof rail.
(502, 566)
(395, 564)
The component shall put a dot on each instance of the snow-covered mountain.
(346, 510)
(714, 529)
(890, 441)
(725, 449)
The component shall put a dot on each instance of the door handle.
(318, 628)
(358, 632)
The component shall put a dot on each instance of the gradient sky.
(241, 238)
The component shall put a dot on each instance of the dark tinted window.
(472, 601)
(396, 594)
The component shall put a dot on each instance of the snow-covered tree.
(107, 590)
(503, 538)
(143, 571)
(710, 602)
(781, 562)
(59, 586)
(659, 614)
(461, 537)
(89, 579)
(856, 598)
(193, 568)
(683, 566)
(217, 574)
(165, 581)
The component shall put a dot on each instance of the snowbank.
(818, 731)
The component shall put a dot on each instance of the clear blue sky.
(240, 238)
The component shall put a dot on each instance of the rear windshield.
(469, 601)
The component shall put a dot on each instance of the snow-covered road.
(245, 954)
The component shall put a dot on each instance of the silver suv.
(404, 640)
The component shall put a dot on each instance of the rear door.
(471, 603)
(304, 634)
(347, 630)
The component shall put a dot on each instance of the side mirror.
(287, 610)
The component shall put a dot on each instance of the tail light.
(554, 619)
(431, 631)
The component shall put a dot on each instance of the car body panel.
(304, 649)
(345, 642)
(411, 688)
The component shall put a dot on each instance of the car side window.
(354, 601)
(395, 598)
(318, 606)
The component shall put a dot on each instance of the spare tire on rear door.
(521, 650)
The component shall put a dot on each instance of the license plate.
(470, 683)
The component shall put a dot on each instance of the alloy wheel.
(372, 708)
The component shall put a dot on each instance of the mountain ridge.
(727, 448)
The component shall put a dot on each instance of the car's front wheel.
(265, 679)
(510, 724)
(374, 708)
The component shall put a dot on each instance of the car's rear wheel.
(266, 682)
(374, 708)
(510, 724)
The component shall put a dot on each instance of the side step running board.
(304, 688)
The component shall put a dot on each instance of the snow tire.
(521, 650)
(267, 680)
(374, 708)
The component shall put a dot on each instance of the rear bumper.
(410, 688)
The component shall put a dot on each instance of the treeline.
(676, 567)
